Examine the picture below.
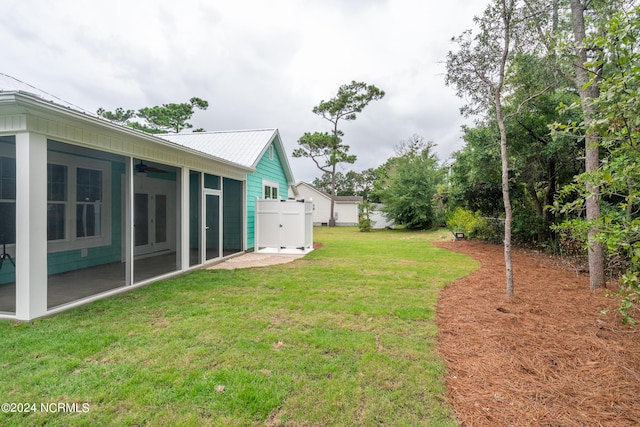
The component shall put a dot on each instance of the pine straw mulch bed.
(547, 356)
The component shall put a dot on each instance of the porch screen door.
(212, 226)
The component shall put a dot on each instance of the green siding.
(271, 170)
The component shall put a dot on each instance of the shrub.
(364, 220)
(463, 220)
(473, 225)
(490, 229)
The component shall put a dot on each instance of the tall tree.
(159, 119)
(120, 115)
(351, 183)
(343, 186)
(326, 150)
(475, 176)
(615, 120)
(539, 161)
(478, 70)
(618, 118)
(588, 92)
(408, 188)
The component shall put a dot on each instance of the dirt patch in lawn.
(546, 356)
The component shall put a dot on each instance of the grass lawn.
(344, 336)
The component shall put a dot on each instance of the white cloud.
(259, 64)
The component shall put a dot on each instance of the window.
(161, 218)
(211, 181)
(141, 220)
(270, 190)
(78, 200)
(7, 200)
(56, 201)
(88, 202)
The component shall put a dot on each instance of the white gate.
(283, 226)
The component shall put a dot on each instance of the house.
(378, 218)
(259, 150)
(346, 208)
(91, 208)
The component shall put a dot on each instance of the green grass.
(345, 336)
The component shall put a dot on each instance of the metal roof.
(244, 147)
(11, 84)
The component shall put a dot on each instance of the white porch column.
(128, 223)
(31, 226)
(183, 227)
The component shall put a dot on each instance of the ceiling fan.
(144, 168)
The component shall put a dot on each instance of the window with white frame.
(270, 189)
(88, 202)
(78, 202)
(56, 201)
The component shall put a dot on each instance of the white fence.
(284, 226)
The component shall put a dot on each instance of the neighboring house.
(346, 208)
(378, 218)
(91, 208)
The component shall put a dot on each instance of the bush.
(364, 220)
(463, 220)
(527, 227)
(490, 230)
(475, 226)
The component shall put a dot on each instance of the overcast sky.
(260, 64)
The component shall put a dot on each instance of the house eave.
(23, 106)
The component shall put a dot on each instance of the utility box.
(283, 226)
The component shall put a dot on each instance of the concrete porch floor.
(71, 286)
(75, 285)
(254, 259)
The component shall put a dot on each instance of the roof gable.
(243, 147)
(314, 189)
(338, 199)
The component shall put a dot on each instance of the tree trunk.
(332, 220)
(538, 204)
(505, 195)
(551, 191)
(595, 250)
(629, 199)
(507, 11)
